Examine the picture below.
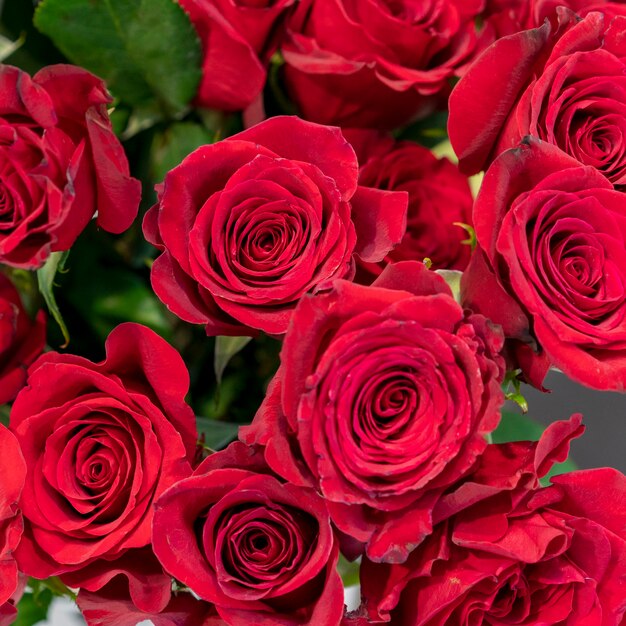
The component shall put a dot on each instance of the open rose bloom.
(384, 397)
(568, 89)
(249, 225)
(274, 275)
(507, 551)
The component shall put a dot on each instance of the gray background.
(604, 415)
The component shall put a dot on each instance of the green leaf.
(45, 278)
(26, 283)
(214, 434)
(429, 131)
(52, 584)
(219, 123)
(349, 571)
(141, 118)
(225, 350)
(512, 388)
(471, 234)
(517, 427)
(35, 603)
(142, 48)
(8, 47)
(171, 146)
(33, 608)
(114, 296)
(5, 415)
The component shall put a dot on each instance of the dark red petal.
(380, 221)
(553, 447)
(482, 293)
(477, 110)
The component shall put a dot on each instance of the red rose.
(237, 40)
(383, 399)
(12, 471)
(515, 553)
(566, 85)
(440, 198)
(21, 340)
(375, 63)
(506, 17)
(551, 267)
(260, 550)
(101, 441)
(61, 163)
(250, 224)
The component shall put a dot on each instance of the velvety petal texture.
(566, 85)
(552, 264)
(440, 201)
(260, 550)
(102, 441)
(508, 551)
(250, 224)
(384, 397)
(401, 54)
(61, 163)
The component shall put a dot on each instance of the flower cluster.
(367, 312)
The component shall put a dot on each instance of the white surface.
(63, 612)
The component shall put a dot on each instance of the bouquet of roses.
(270, 271)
